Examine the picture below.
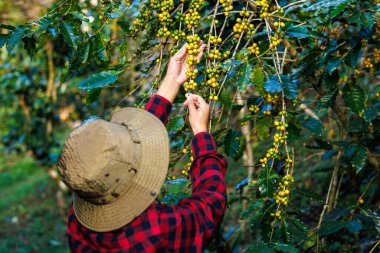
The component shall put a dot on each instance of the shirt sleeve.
(190, 225)
(160, 107)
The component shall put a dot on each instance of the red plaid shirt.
(186, 227)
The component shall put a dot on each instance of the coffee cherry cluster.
(244, 13)
(226, 54)
(190, 85)
(193, 50)
(178, 35)
(212, 75)
(213, 96)
(277, 25)
(368, 63)
(254, 49)
(227, 5)
(163, 32)
(193, 17)
(128, 2)
(272, 153)
(215, 40)
(280, 126)
(215, 54)
(271, 99)
(275, 40)
(282, 195)
(280, 138)
(163, 8)
(254, 108)
(376, 55)
(241, 26)
(186, 171)
(264, 8)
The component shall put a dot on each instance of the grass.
(30, 220)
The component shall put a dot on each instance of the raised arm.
(160, 104)
(190, 225)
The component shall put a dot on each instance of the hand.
(176, 73)
(178, 65)
(199, 112)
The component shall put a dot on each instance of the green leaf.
(290, 87)
(8, 27)
(333, 65)
(313, 124)
(327, 100)
(297, 228)
(113, 15)
(30, 45)
(258, 79)
(372, 112)
(3, 39)
(310, 195)
(15, 37)
(69, 33)
(84, 52)
(246, 213)
(100, 48)
(331, 227)
(273, 85)
(258, 248)
(245, 77)
(263, 125)
(339, 9)
(298, 32)
(354, 97)
(282, 247)
(43, 23)
(293, 132)
(100, 80)
(359, 159)
(175, 123)
(354, 226)
(92, 95)
(367, 20)
(232, 143)
(231, 63)
(247, 117)
(325, 5)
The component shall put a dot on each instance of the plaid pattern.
(160, 107)
(186, 227)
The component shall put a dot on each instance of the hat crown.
(103, 159)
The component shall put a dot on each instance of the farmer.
(116, 170)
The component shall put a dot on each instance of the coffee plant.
(293, 87)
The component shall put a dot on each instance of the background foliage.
(294, 88)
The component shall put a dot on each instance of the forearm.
(168, 89)
(208, 174)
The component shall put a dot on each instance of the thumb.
(181, 53)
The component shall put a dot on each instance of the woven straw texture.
(100, 153)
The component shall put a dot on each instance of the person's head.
(115, 169)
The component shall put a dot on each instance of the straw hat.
(115, 169)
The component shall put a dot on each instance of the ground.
(29, 218)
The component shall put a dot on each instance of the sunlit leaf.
(100, 80)
(69, 33)
(354, 97)
(245, 77)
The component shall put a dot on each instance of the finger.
(191, 105)
(200, 54)
(181, 53)
(199, 99)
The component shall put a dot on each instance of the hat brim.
(147, 182)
